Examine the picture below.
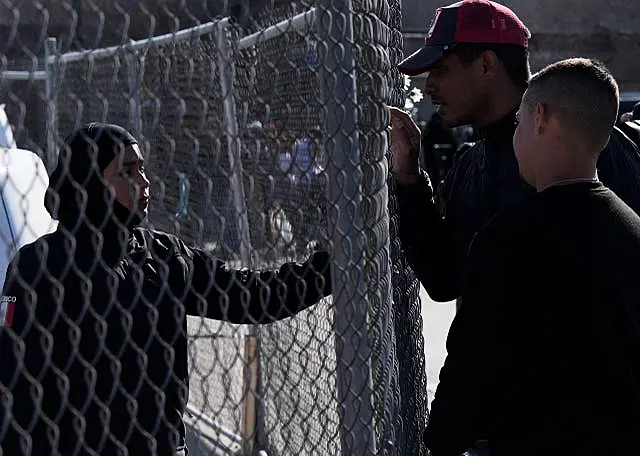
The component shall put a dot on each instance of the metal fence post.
(346, 228)
(51, 87)
(134, 81)
(252, 403)
(226, 68)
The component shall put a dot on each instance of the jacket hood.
(77, 192)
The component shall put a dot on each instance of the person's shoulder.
(159, 242)
(627, 131)
(618, 208)
(47, 250)
(616, 226)
(611, 217)
(633, 124)
(624, 137)
(507, 227)
(47, 245)
(27, 254)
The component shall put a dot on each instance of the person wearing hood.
(94, 360)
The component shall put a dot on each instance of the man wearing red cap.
(476, 56)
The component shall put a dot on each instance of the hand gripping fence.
(264, 139)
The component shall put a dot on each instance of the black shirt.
(544, 353)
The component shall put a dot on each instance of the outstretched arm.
(246, 297)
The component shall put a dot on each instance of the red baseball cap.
(468, 21)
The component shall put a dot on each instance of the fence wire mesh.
(261, 145)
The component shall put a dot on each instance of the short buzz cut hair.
(582, 94)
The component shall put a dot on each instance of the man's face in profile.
(453, 89)
(126, 176)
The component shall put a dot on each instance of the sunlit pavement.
(436, 317)
(203, 439)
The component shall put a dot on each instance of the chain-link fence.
(264, 140)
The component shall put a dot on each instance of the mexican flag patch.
(7, 307)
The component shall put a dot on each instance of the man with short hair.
(581, 97)
(476, 56)
(544, 353)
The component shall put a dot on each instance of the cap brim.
(420, 61)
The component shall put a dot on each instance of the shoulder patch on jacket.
(7, 307)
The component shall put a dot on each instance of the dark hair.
(582, 94)
(514, 58)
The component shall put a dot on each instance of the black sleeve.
(479, 347)
(26, 356)
(619, 169)
(427, 239)
(220, 292)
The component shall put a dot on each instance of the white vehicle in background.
(23, 182)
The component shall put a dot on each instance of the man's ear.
(542, 116)
(489, 63)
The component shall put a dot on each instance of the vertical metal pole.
(226, 68)
(77, 7)
(252, 402)
(134, 80)
(346, 228)
(51, 88)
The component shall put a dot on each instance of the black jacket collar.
(501, 129)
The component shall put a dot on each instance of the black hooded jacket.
(436, 230)
(95, 360)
